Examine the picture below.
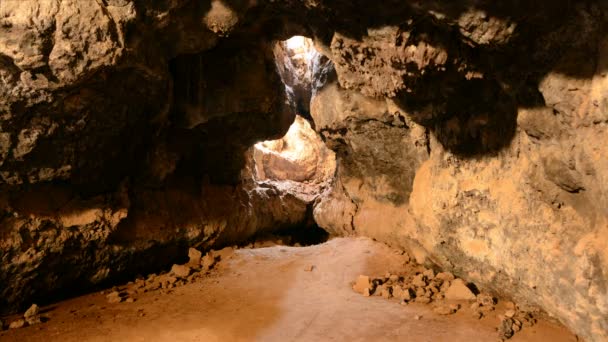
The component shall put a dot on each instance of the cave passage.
(250, 170)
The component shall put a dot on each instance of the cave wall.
(470, 132)
(112, 163)
(477, 141)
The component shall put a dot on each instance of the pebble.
(386, 291)
(20, 323)
(423, 300)
(32, 311)
(446, 309)
(445, 276)
(485, 299)
(208, 261)
(114, 297)
(181, 271)
(505, 329)
(195, 257)
(419, 280)
(309, 268)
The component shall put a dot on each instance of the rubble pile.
(446, 293)
(30, 317)
(197, 267)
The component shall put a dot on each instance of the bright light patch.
(300, 48)
(293, 145)
(296, 43)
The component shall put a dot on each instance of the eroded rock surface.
(494, 183)
(471, 133)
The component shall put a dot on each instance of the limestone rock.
(195, 258)
(34, 310)
(458, 290)
(505, 329)
(209, 260)
(446, 309)
(114, 297)
(181, 271)
(363, 285)
(225, 253)
(20, 323)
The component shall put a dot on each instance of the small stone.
(429, 274)
(510, 313)
(225, 253)
(309, 268)
(485, 299)
(130, 300)
(458, 290)
(195, 257)
(20, 323)
(475, 306)
(510, 305)
(33, 320)
(516, 325)
(423, 300)
(393, 278)
(505, 329)
(34, 310)
(446, 309)
(181, 271)
(432, 289)
(438, 296)
(208, 261)
(363, 285)
(417, 317)
(419, 280)
(401, 293)
(114, 297)
(386, 292)
(477, 314)
(445, 276)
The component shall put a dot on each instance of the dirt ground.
(267, 294)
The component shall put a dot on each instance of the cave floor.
(267, 294)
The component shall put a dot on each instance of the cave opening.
(299, 163)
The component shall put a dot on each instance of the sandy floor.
(267, 295)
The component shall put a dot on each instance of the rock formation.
(470, 133)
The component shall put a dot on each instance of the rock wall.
(111, 160)
(452, 146)
(470, 132)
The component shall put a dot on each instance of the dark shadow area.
(471, 103)
(228, 98)
(472, 118)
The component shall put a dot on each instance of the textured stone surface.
(469, 132)
(505, 182)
